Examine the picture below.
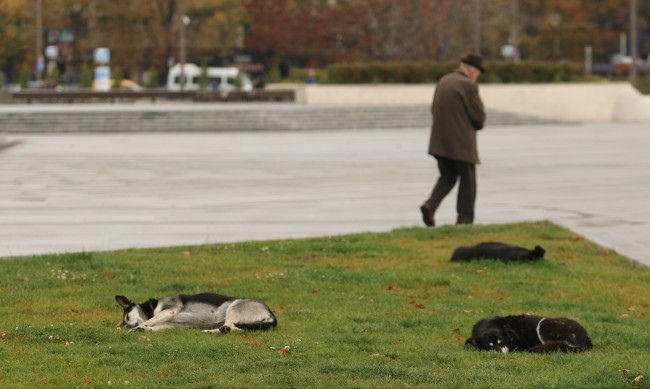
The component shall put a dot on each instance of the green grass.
(363, 310)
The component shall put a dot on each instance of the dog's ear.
(124, 301)
(539, 252)
(472, 342)
(511, 335)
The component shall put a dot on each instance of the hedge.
(428, 72)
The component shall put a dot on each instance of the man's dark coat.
(457, 113)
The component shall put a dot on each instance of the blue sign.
(102, 55)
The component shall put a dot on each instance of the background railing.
(121, 96)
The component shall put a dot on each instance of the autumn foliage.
(144, 35)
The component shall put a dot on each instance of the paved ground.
(62, 193)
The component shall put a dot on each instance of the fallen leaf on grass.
(419, 306)
(625, 371)
(391, 287)
(284, 350)
(377, 355)
(457, 330)
(109, 276)
(637, 381)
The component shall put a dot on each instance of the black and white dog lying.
(529, 333)
(496, 250)
(214, 312)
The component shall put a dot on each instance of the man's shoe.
(427, 215)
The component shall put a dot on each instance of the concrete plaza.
(74, 192)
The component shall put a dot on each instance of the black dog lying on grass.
(529, 333)
(496, 250)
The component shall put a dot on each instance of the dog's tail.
(263, 325)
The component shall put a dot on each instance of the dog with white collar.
(529, 333)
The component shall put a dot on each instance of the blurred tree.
(13, 38)
(143, 34)
(140, 34)
(299, 30)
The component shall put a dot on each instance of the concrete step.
(271, 118)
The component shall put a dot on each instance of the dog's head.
(133, 313)
(538, 252)
(495, 340)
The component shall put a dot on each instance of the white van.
(221, 79)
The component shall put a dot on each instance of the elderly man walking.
(457, 113)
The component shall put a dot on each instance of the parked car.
(224, 79)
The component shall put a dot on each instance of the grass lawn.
(363, 310)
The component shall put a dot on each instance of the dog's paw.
(211, 331)
(224, 329)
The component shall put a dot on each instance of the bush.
(152, 80)
(204, 80)
(428, 72)
(25, 75)
(117, 76)
(643, 85)
(86, 76)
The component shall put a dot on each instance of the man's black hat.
(474, 60)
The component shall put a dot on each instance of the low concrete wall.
(366, 94)
(632, 107)
(583, 102)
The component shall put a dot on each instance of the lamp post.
(40, 61)
(556, 20)
(182, 41)
(477, 27)
(634, 50)
(514, 30)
